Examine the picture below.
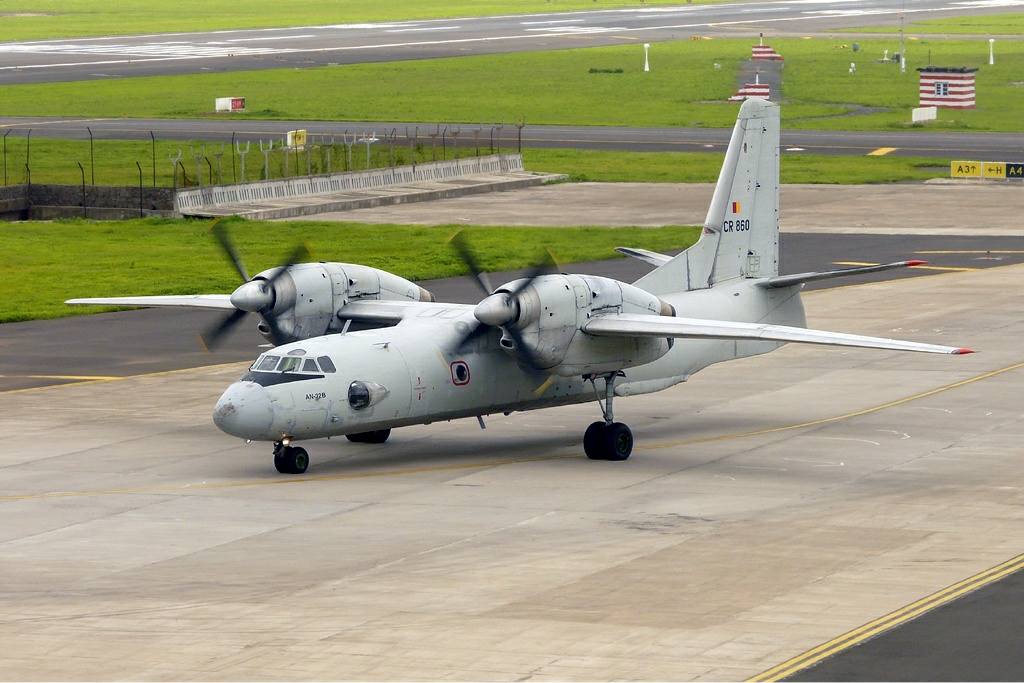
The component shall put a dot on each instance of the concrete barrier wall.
(196, 198)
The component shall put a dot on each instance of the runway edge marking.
(890, 621)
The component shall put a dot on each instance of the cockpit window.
(268, 363)
(309, 365)
(289, 364)
(326, 365)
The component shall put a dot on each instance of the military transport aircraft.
(360, 351)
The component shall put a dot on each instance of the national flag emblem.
(735, 207)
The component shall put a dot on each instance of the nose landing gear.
(607, 440)
(290, 459)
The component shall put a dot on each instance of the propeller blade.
(523, 350)
(211, 338)
(458, 242)
(221, 233)
(276, 333)
(476, 331)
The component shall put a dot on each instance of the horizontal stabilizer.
(801, 278)
(629, 325)
(652, 257)
(210, 301)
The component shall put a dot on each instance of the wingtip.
(916, 262)
(962, 352)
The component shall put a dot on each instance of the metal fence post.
(234, 178)
(412, 146)
(220, 176)
(519, 125)
(175, 160)
(266, 159)
(241, 154)
(199, 163)
(153, 138)
(5, 157)
(85, 211)
(476, 137)
(140, 188)
(92, 158)
(455, 142)
(28, 157)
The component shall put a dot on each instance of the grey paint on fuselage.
(414, 362)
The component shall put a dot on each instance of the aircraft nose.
(245, 411)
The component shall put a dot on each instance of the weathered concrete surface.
(750, 525)
(934, 207)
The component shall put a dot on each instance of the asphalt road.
(306, 46)
(970, 146)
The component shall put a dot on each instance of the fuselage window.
(309, 365)
(289, 364)
(325, 364)
(268, 363)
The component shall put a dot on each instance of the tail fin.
(741, 232)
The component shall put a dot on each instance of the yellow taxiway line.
(496, 463)
(882, 151)
(891, 620)
(950, 269)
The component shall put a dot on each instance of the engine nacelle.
(309, 299)
(553, 308)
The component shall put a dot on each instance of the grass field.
(46, 263)
(683, 89)
(33, 19)
(985, 24)
(56, 161)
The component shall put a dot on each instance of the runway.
(305, 46)
(471, 137)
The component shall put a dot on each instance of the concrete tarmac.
(937, 207)
(771, 504)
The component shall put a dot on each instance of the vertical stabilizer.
(741, 231)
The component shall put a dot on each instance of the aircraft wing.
(210, 301)
(628, 325)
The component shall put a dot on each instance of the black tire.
(593, 441)
(377, 436)
(618, 441)
(291, 460)
(297, 460)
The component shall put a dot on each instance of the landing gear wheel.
(377, 436)
(618, 441)
(608, 442)
(592, 441)
(291, 460)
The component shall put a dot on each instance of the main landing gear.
(608, 440)
(290, 459)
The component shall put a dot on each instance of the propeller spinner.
(499, 309)
(257, 295)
